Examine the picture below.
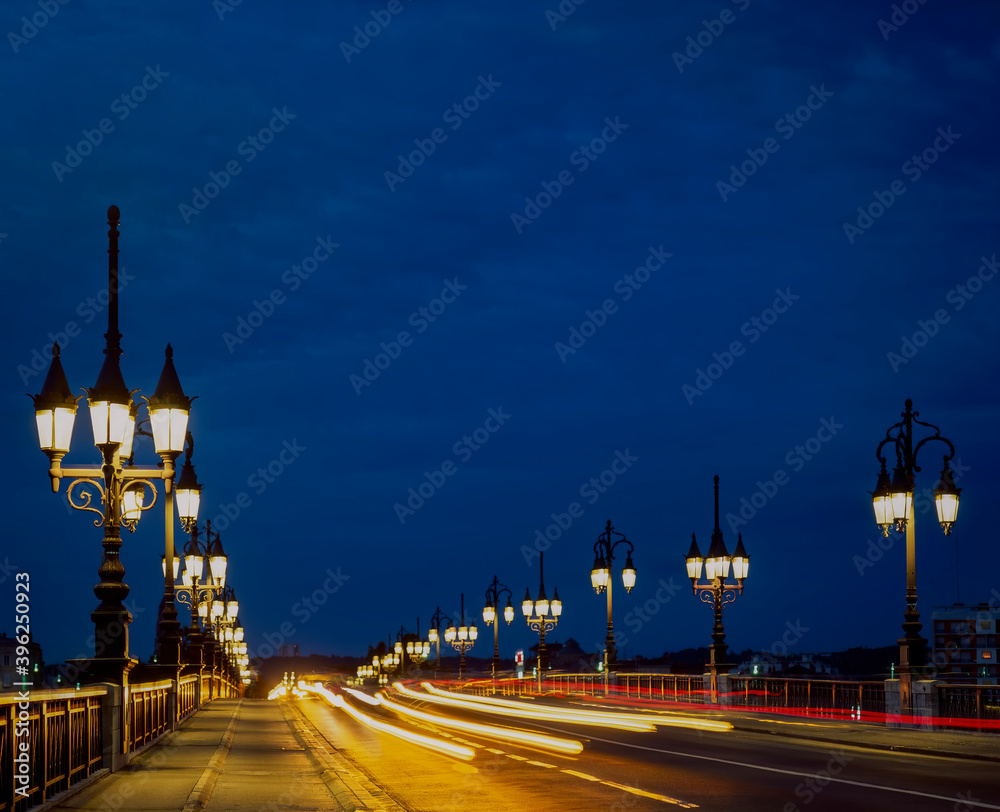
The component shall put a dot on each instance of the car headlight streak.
(507, 734)
(464, 753)
(621, 721)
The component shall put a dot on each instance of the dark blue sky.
(512, 254)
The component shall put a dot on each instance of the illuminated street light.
(120, 491)
(536, 613)
(600, 579)
(434, 633)
(462, 638)
(717, 591)
(893, 505)
(493, 594)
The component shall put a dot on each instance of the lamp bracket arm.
(142, 472)
(937, 436)
(86, 496)
(897, 442)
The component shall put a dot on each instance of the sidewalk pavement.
(233, 754)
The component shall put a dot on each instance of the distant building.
(964, 644)
(766, 664)
(9, 676)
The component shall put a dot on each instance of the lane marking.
(542, 764)
(653, 795)
(581, 775)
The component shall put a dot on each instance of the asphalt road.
(618, 770)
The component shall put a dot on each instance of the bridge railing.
(48, 743)
(51, 740)
(969, 701)
(856, 697)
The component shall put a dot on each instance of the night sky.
(545, 265)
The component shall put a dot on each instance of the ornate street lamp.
(434, 633)
(600, 579)
(461, 638)
(417, 650)
(537, 615)
(717, 592)
(892, 501)
(119, 490)
(493, 593)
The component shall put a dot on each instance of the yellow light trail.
(623, 721)
(617, 721)
(371, 700)
(508, 734)
(464, 753)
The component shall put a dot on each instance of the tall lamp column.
(600, 579)
(893, 504)
(462, 638)
(493, 593)
(536, 613)
(717, 592)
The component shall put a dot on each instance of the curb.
(334, 770)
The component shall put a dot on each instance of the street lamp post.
(417, 650)
(717, 591)
(434, 633)
(600, 579)
(493, 593)
(893, 504)
(462, 638)
(536, 613)
(119, 490)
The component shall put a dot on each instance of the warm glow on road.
(507, 734)
(464, 753)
